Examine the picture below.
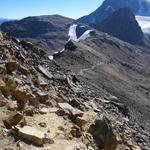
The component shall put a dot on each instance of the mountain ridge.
(41, 31)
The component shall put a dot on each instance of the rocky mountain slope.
(123, 25)
(47, 32)
(78, 100)
(105, 63)
(51, 32)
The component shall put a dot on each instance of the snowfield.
(73, 33)
(144, 22)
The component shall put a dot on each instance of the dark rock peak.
(123, 25)
(107, 8)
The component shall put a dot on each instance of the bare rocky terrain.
(106, 63)
(92, 96)
(66, 86)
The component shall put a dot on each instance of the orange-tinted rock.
(15, 66)
(30, 134)
(11, 66)
(79, 121)
(22, 97)
(23, 70)
(8, 86)
(4, 89)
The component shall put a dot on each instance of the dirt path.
(82, 71)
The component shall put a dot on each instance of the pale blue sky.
(16, 9)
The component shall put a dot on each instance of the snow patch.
(73, 33)
(51, 57)
(85, 35)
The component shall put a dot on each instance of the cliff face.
(107, 8)
(123, 25)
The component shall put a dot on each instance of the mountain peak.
(109, 6)
(126, 29)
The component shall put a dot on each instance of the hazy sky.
(17, 9)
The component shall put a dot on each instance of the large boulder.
(103, 134)
(30, 134)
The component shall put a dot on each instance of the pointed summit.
(138, 7)
(123, 25)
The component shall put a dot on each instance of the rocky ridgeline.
(43, 108)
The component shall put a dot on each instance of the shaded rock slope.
(61, 104)
(123, 25)
(48, 32)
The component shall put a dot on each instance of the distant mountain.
(2, 20)
(123, 25)
(48, 32)
(139, 7)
